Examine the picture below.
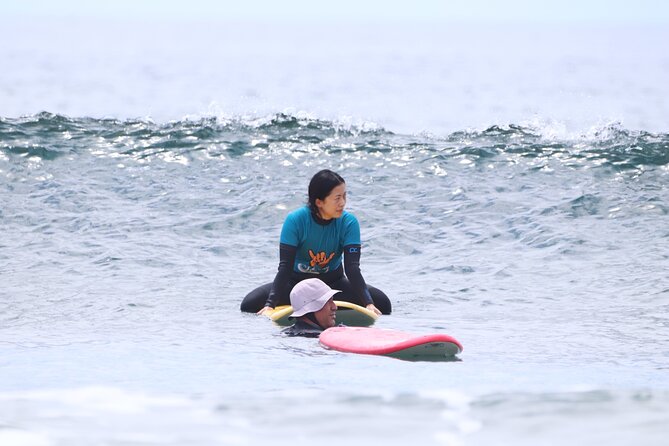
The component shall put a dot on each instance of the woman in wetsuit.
(314, 239)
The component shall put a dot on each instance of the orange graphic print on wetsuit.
(320, 259)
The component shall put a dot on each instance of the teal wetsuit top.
(319, 246)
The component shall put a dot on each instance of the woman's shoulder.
(301, 213)
(348, 217)
(349, 222)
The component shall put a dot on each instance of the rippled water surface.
(127, 246)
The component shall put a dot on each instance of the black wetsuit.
(304, 326)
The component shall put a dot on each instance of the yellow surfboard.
(349, 314)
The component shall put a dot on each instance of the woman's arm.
(354, 275)
(281, 285)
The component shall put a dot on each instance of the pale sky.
(379, 11)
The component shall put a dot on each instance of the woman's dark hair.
(321, 185)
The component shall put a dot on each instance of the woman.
(314, 239)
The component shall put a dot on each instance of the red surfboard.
(399, 344)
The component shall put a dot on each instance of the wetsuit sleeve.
(351, 231)
(281, 285)
(352, 269)
(291, 229)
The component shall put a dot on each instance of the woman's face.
(333, 205)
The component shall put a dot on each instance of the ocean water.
(511, 187)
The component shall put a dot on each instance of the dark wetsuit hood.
(305, 326)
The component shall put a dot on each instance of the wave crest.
(48, 136)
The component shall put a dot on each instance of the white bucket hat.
(310, 295)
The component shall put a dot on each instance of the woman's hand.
(265, 311)
(371, 307)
